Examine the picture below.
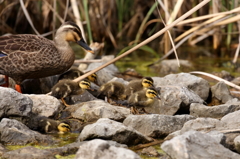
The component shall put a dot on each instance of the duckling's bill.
(85, 46)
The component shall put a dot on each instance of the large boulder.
(15, 133)
(45, 105)
(94, 110)
(100, 149)
(200, 110)
(221, 92)
(198, 85)
(108, 129)
(195, 145)
(14, 104)
(156, 126)
(174, 100)
(201, 124)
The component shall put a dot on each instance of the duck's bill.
(85, 46)
(158, 97)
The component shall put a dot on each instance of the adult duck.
(26, 56)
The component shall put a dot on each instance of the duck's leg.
(134, 110)
(18, 88)
(64, 102)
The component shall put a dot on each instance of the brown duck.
(27, 56)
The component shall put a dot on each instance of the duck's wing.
(25, 43)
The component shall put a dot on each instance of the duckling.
(71, 74)
(112, 90)
(137, 85)
(46, 125)
(65, 88)
(27, 56)
(143, 98)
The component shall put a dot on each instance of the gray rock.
(93, 110)
(45, 105)
(108, 129)
(86, 96)
(221, 92)
(174, 99)
(218, 136)
(15, 133)
(196, 84)
(196, 145)
(200, 110)
(100, 149)
(237, 143)
(120, 80)
(201, 124)
(171, 66)
(13, 103)
(29, 152)
(230, 121)
(156, 126)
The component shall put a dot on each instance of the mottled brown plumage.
(138, 85)
(65, 88)
(46, 125)
(31, 56)
(143, 98)
(112, 90)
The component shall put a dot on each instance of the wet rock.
(221, 92)
(156, 126)
(93, 110)
(237, 143)
(150, 151)
(201, 124)
(111, 130)
(196, 145)
(28, 152)
(174, 100)
(45, 105)
(13, 103)
(200, 110)
(103, 150)
(15, 133)
(105, 74)
(196, 84)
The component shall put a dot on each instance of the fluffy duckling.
(141, 99)
(137, 85)
(46, 125)
(75, 73)
(65, 88)
(112, 90)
